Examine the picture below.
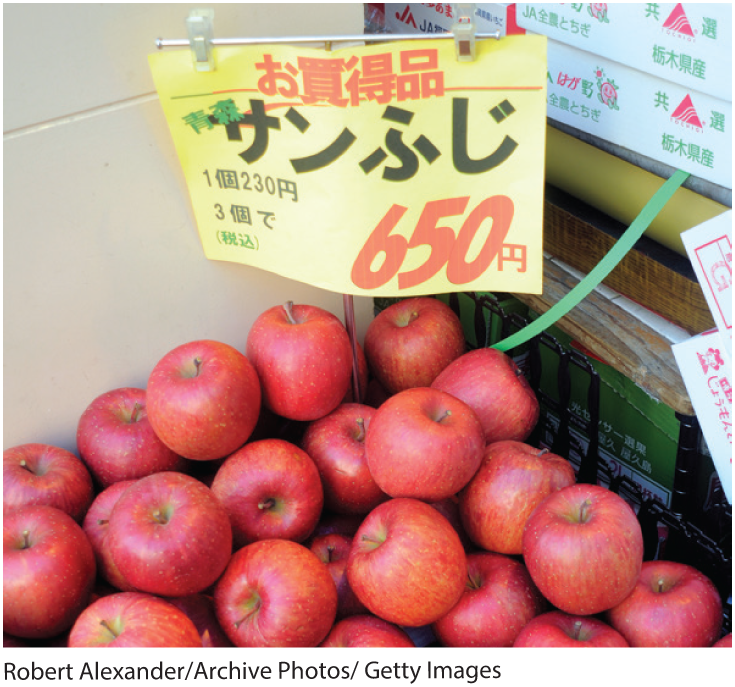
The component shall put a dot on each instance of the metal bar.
(162, 43)
(349, 309)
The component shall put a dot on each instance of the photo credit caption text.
(400, 671)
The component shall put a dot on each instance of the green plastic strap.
(603, 268)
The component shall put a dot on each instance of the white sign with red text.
(709, 247)
(707, 373)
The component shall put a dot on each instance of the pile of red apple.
(244, 498)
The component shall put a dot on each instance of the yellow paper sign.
(382, 170)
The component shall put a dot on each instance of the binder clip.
(463, 31)
(200, 27)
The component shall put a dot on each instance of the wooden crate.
(650, 274)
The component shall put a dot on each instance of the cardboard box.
(689, 44)
(662, 120)
(638, 435)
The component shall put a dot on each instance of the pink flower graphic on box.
(608, 94)
(711, 359)
(598, 10)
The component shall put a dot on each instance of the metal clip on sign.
(200, 27)
(201, 40)
(463, 31)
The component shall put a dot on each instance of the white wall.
(103, 271)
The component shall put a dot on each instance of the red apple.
(449, 508)
(168, 535)
(367, 631)
(558, 629)
(10, 642)
(333, 550)
(203, 399)
(116, 441)
(275, 593)
(48, 571)
(491, 383)
(583, 546)
(336, 443)
(270, 489)
(95, 526)
(407, 564)
(499, 599)
(43, 475)
(423, 443)
(410, 342)
(133, 619)
(672, 605)
(199, 608)
(724, 642)
(511, 481)
(303, 356)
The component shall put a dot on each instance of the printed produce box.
(417, 17)
(686, 43)
(662, 120)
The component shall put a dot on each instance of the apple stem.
(198, 365)
(159, 517)
(660, 585)
(447, 413)
(472, 583)
(136, 408)
(361, 434)
(102, 522)
(253, 610)
(542, 452)
(107, 627)
(583, 511)
(577, 628)
(267, 504)
(288, 307)
(25, 465)
(26, 539)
